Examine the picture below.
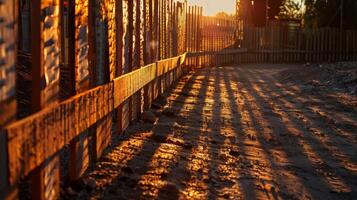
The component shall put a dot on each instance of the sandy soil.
(235, 133)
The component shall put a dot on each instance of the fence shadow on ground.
(230, 132)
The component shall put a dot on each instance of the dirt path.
(235, 133)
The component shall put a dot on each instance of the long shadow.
(216, 142)
(178, 105)
(278, 126)
(324, 126)
(191, 140)
(293, 121)
(246, 182)
(215, 128)
(317, 143)
(311, 116)
(237, 123)
(320, 95)
(131, 171)
(348, 112)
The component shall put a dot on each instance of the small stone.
(148, 117)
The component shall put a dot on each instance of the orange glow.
(212, 7)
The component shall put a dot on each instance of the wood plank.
(45, 49)
(103, 69)
(8, 34)
(81, 78)
(26, 137)
(120, 57)
(138, 35)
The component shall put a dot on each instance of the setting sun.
(212, 7)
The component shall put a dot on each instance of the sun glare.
(212, 7)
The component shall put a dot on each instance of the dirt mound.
(340, 76)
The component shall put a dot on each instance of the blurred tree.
(254, 11)
(225, 15)
(245, 9)
(309, 15)
(327, 13)
(290, 9)
(317, 13)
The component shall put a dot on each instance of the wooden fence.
(287, 42)
(70, 70)
(279, 43)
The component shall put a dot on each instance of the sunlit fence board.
(50, 53)
(81, 47)
(34, 139)
(82, 80)
(45, 72)
(8, 25)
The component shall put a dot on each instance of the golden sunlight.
(212, 7)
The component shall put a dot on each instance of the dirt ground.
(237, 132)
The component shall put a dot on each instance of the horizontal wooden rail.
(244, 50)
(243, 55)
(34, 139)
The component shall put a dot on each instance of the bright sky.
(212, 7)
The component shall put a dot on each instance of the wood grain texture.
(46, 58)
(8, 32)
(34, 139)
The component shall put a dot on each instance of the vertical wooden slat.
(8, 34)
(80, 78)
(137, 56)
(147, 46)
(164, 31)
(45, 87)
(105, 39)
(162, 50)
(156, 42)
(188, 32)
(130, 48)
(120, 56)
(175, 31)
